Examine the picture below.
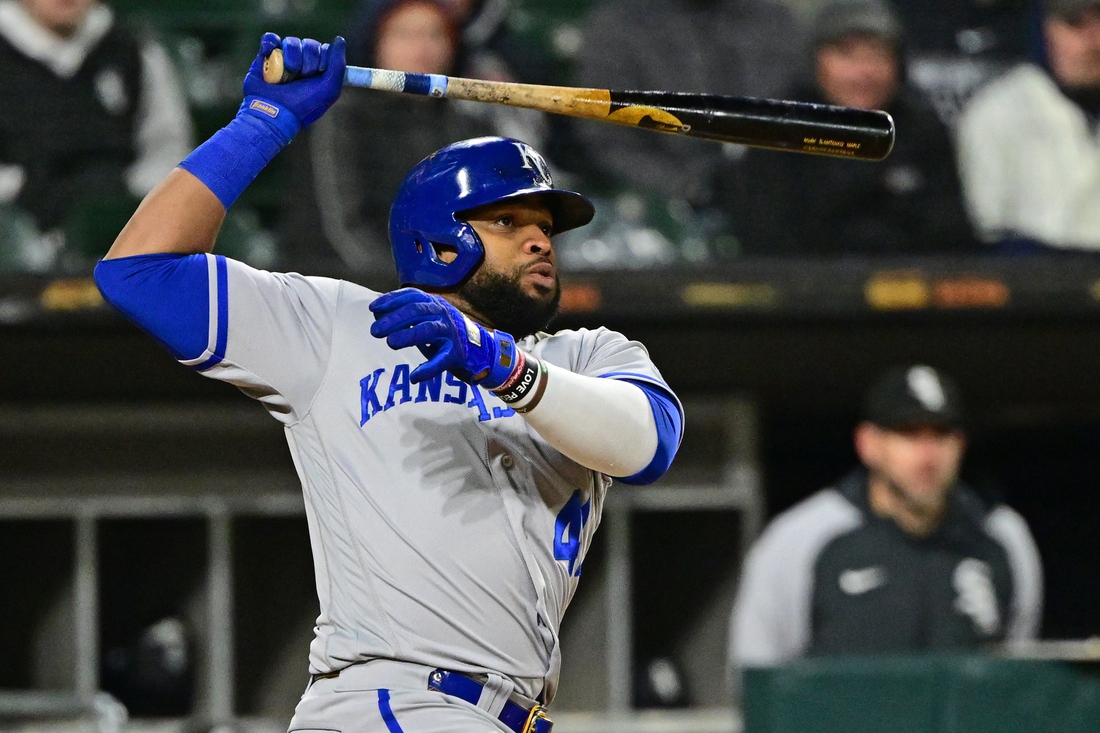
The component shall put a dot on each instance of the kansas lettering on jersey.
(445, 530)
(400, 391)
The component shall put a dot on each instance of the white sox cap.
(914, 395)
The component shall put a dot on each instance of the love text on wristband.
(531, 403)
(522, 383)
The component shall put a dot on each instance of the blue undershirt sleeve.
(168, 296)
(669, 419)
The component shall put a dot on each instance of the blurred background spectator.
(91, 117)
(956, 46)
(781, 204)
(489, 49)
(1029, 146)
(897, 557)
(997, 28)
(740, 47)
(354, 158)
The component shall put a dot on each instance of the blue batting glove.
(449, 340)
(271, 114)
(295, 104)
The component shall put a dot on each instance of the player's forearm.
(183, 214)
(604, 424)
(180, 216)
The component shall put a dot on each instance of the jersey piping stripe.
(219, 314)
(387, 712)
(223, 306)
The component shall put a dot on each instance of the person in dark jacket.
(899, 556)
(909, 204)
(90, 109)
(359, 153)
(999, 28)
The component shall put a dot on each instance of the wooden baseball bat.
(801, 127)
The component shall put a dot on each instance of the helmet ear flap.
(469, 254)
(436, 259)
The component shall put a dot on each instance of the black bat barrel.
(802, 127)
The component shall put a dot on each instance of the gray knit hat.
(1069, 9)
(843, 18)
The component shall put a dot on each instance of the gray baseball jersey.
(445, 530)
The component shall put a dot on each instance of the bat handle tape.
(429, 85)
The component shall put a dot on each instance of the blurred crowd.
(996, 103)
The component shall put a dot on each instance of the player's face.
(61, 16)
(516, 237)
(415, 38)
(1074, 49)
(516, 286)
(921, 463)
(858, 71)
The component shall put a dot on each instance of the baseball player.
(454, 458)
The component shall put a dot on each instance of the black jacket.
(1001, 28)
(916, 604)
(911, 203)
(831, 577)
(73, 137)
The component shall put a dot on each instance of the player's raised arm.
(472, 223)
(216, 315)
(183, 214)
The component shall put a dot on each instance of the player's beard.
(500, 299)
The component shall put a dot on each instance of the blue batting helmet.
(458, 178)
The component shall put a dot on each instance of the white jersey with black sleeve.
(445, 530)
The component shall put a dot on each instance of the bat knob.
(274, 71)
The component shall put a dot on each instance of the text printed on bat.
(832, 152)
(830, 143)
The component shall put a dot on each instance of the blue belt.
(513, 715)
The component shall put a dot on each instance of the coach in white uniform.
(450, 501)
